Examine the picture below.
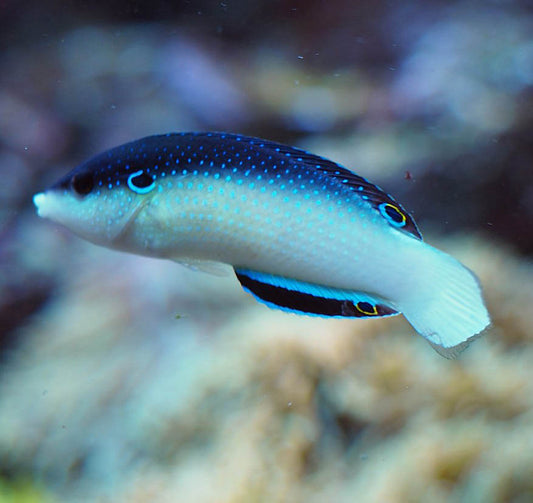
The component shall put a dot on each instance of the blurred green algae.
(22, 491)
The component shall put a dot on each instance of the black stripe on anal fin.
(306, 303)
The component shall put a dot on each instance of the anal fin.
(307, 298)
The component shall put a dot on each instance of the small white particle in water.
(289, 404)
(300, 57)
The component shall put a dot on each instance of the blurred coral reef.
(110, 393)
(130, 379)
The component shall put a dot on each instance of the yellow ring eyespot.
(366, 308)
(394, 215)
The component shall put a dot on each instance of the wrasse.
(302, 233)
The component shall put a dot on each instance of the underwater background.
(124, 378)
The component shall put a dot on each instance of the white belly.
(318, 239)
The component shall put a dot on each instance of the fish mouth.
(49, 205)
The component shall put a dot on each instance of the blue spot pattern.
(242, 160)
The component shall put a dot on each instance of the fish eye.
(82, 183)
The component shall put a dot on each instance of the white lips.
(38, 200)
(42, 202)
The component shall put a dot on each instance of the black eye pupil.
(141, 181)
(394, 214)
(82, 183)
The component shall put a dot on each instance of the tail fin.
(447, 307)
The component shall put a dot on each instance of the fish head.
(98, 200)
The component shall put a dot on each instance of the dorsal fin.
(384, 203)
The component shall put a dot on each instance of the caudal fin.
(447, 306)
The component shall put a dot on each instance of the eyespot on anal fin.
(307, 298)
(367, 309)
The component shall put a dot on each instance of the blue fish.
(302, 233)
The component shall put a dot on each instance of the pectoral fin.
(207, 266)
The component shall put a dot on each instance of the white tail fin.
(447, 307)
